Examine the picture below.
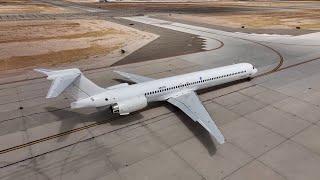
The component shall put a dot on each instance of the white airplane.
(124, 98)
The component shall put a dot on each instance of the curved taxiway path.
(44, 137)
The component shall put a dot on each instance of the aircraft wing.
(191, 105)
(133, 77)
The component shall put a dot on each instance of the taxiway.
(271, 124)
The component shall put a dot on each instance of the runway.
(270, 123)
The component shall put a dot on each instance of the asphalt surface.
(170, 43)
(271, 124)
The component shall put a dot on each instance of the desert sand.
(25, 44)
(304, 19)
(28, 6)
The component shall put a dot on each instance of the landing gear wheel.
(249, 78)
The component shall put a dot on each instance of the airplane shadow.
(70, 119)
(124, 81)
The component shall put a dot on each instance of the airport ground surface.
(271, 124)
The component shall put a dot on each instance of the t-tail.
(72, 81)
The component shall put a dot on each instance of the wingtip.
(43, 71)
(118, 72)
(221, 141)
(121, 73)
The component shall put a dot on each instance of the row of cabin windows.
(196, 82)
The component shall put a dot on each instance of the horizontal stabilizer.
(61, 79)
(44, 71)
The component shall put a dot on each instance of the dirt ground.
(184, 4)
(28, 6)
(250, 14)
(25, 44)
(83, 1)
(308, 20)
(254, 3)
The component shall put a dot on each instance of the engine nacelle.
(130, 105)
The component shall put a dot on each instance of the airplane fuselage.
(124, 98)
(162, 89)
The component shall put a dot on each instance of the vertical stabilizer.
(72, 81)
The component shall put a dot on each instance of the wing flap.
(191, 105)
